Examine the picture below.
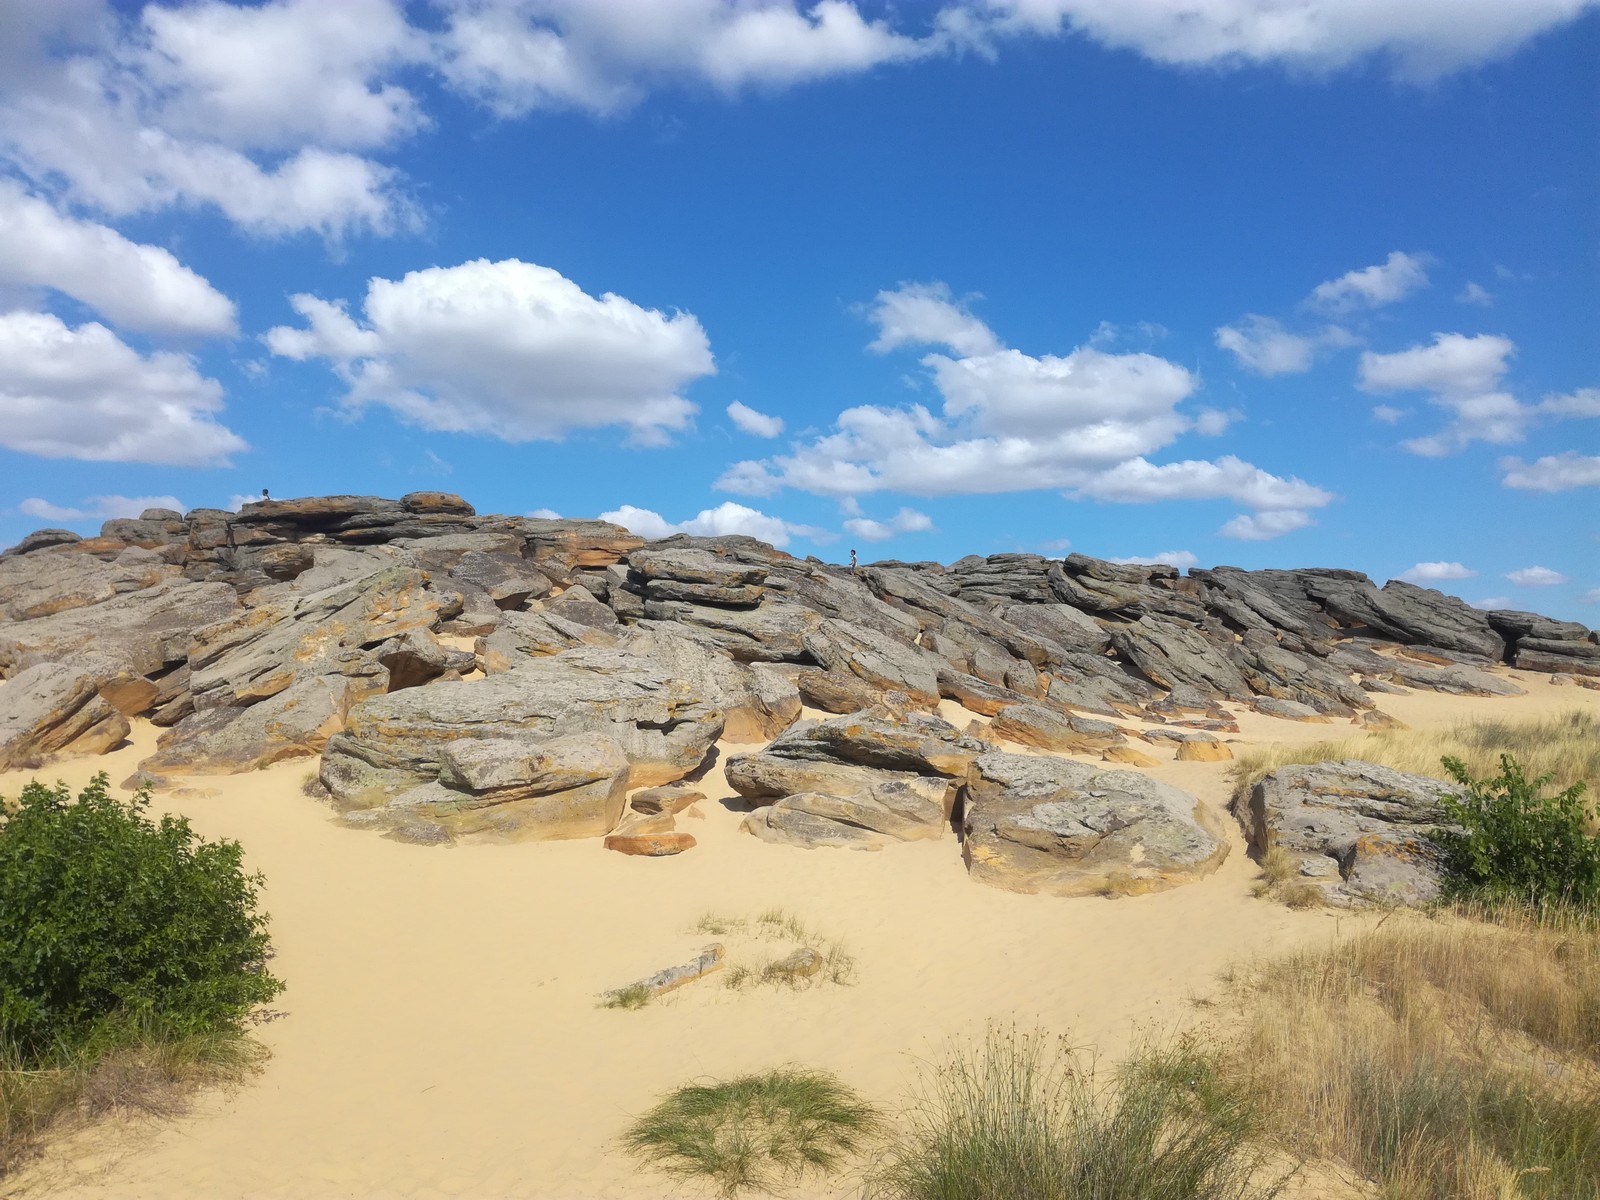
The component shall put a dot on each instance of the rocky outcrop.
(885, 774)
(1039, 824)
(53, 708)
(1050, 729)
(1357, 830)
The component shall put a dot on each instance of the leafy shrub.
(109, 920)
(1513, 843)
(758, 1131)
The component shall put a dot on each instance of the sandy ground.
(441, 1035)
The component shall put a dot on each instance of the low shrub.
(109, 918)
(758, 1132)
(1511, 842)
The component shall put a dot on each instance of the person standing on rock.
(852, 562)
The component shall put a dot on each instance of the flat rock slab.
(1358, 829)
(1040, 824)
(52, 708)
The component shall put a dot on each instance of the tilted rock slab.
(1357, 829)
(1040, 824)
(53, 708)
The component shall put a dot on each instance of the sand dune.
(441, 1036)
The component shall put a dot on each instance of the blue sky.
(1259, 282)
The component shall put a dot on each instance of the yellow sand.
(441, 1035)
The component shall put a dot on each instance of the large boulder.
(1169, 654)
(1356, 829)
(1054, 730)
(888, 771)
(294, 723)
(877, 659)
(1039, 824)
(53, 581)
(396, 742)
(758, 701)
(53, 708)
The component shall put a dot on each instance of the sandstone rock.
(757, 702)
(834, 693)
(1202, 752)
(1060, 623)
(294, 723)
(42, 539)
(1039, 824)
(792, 823)
(1286, 710)
(44, 583)
(1375, 718)
(578, 604)
(524, 635)
(395, 742)
(52, 708)
(1568, 656)
(973, 693)
(413, 659)
(649, 845)
(1372, 822)
(670, 800)
(876, 658)
(1127, 756)
(773, 632)
(1169, 654)
(507, 580)
(1048, 729)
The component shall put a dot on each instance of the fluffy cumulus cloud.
(135, 286)
(1422, 39)
(256, 110)
(1462, 375)
(727, 518)
(84, 393)
(1536, 577)
(1436, 572)
(1264, 526)
(1388, 282)
(1552, 473)
(97, 508)
(510, 349)
(756, 424)
(1182, 559)
(907, 520)
(1081, 422)
(1262, 345)
(601, 55)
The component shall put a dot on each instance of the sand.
(441, 1036)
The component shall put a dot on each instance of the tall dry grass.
(1441, 1059)
(1566, 746)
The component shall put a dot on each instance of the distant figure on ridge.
(264, 495)
(852, 562)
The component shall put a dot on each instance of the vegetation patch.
(131, 955)
(757, 1132)
(776, 948)
(1023, 1115)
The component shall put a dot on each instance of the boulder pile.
(466, 676)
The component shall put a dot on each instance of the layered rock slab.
(1356, 829)
(1034, 823)
(53, 708)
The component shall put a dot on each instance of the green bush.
(110, 921)
(1515, 844)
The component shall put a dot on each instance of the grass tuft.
(1023, 1115)
(756, 1132)
(631, 997)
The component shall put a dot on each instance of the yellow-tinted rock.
(1203, 752)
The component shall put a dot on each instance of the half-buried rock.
(860, 781)
(1042, 824)
(508, 790)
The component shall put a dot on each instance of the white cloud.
(83, 393)
(925, 314)
(1436, 572)
(1056, 545)
(1536, 577)
(1592, 596)
(1388, 414)
(1373, 287)
(1264, 526)
(137, 286)
(1264, 346)
(251, 110)
(1181, 559)
(1475, 293)
(545, 514)
(1492, 602)
(727, 518)
(510, 349)
(1421, 39)
(1585, 402)
(101, 508)
(600, 55)
(1014, 422)
(1463, 375)
(907, 520)
(1211, 422)
(756, 424)
(1552, 473)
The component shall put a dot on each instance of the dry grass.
(1566, 746)
(1439, 1058)
(1281, 881)
(148, 1075)
(763, 943)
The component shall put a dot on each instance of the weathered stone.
(524, 635)
(413, 659)
(55, 581)
(1375, 718)
(670, 800)
(395, 742)
(834, 693)
(1040, 824)
(294, 723)
(578, 604)
(1060, 623)
(1203, 752)
(792, 823)
(773, 632)
(1568, 656)
(1127, 756)
(1371, 821)
(886, 664)
(757, 702)
(42, 539)
(649, 845)
(507, 580)
(1050, 729)
(1169, 654)
(52, 708)
(1286, 710)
